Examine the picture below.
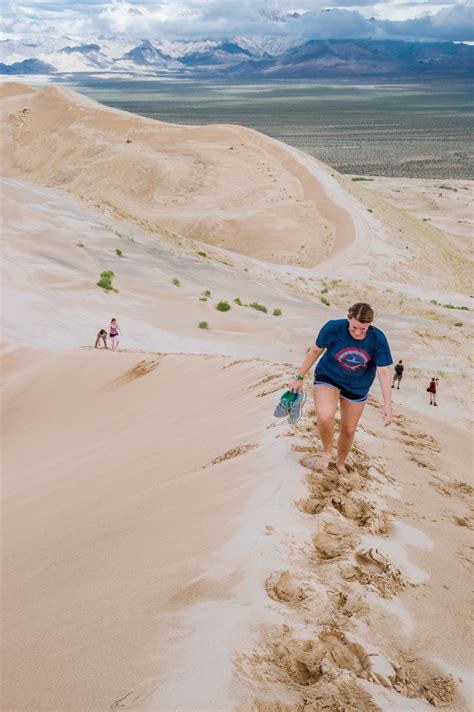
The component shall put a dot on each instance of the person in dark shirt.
(352, 353)
(432, 390)
(398, 375)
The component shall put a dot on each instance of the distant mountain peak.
(82, 49)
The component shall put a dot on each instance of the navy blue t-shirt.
(351, 363)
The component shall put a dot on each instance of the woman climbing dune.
(352, 353)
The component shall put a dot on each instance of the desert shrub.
(369, 210)
(458, 323)
(118, 252)
(277, 312)
(325, 302)
(206, 293)
(176, 282)
(203, 254)
(203, 299)
(203, 325)
(258, 307)
(452, 306)
(325, 290)
(223, 306)
(238, 301)
(129, 140)
(105, 281)
(433, 301)
(357, 178)
(80, 244)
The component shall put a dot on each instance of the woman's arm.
(311, 357)
(385, 380)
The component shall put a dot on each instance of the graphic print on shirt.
(353, 358)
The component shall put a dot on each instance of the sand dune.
(112, 503)
(168, 544)
(224, 185)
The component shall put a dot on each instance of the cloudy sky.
(175, 19)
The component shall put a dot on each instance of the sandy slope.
(167, 543)
(223, 185)
(107, 517)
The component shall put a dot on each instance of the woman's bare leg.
(350, 415)
(325, 404)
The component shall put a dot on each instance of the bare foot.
(323, 463)
(341, 468)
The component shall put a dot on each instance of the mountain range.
(240, 59)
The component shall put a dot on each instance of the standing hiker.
(114, 331)
(432, 388)
(351, 353)
(398, 375)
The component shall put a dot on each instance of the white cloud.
(162, 19)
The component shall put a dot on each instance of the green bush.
(223, 306)
(277, 312)
(203, 254)
(325, 290)
(203, 325)
(433, 301)
(105, 281)
(452, 306)
(258, 307)
(176, 282)
(325, 302)
(206, 293)
(237, 301)
(118, 252)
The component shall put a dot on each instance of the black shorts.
(321, 380)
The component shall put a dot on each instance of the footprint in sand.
(138, 371)
(467, 522)
(419, 440)
(350, 603)
(454, 488)
(420, 678)
(290, 588)
(230, 454)
(333, 536)
(329, 656)
(422, 463)
(374, 569)
(352, 506)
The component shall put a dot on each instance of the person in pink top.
(114, 332)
